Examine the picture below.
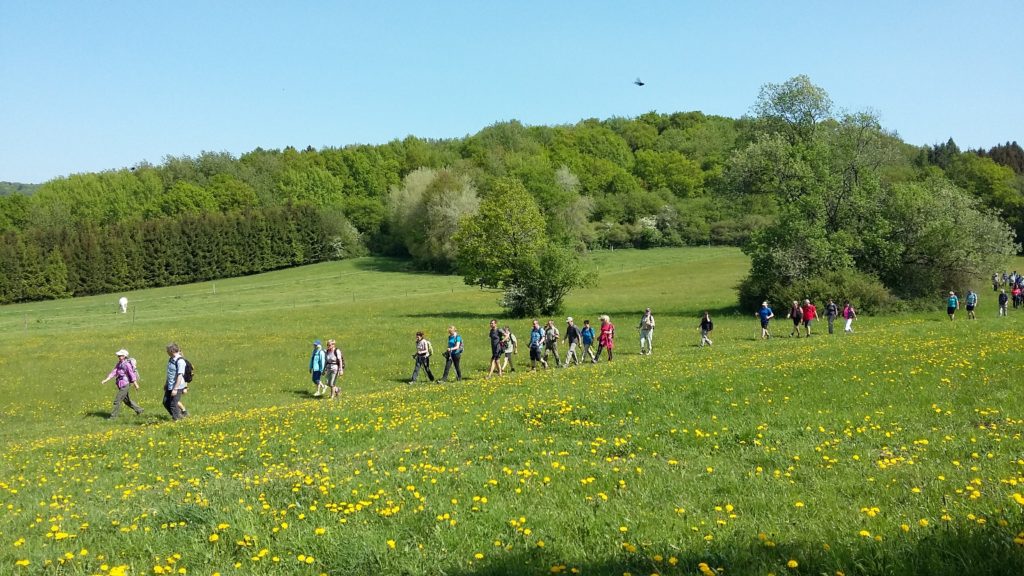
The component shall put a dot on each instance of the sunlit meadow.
(895, 450)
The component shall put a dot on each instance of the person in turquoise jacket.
(316, 367)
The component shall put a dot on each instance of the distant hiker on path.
(971, 302)
(510, 346)
(334, 367)
(765, 315)
(125, 376)
(1003, 299)
(831, 313)
(497, 350)
(706, 326)
(175, 384)
(587, 337)
(573, 337)
(422, 358)
(646, 328)
(453, 355)
(797, 315)
(952, 305)
(810, 313)
(551, 336)
(536, 346)
(316, 368)
(606, 339)
(850, 314)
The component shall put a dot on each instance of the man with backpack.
(176, 384)
(536, 345)
(646, 328)
(551, 337)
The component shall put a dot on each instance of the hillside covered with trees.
(802, 187)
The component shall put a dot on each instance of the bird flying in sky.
(639, 82)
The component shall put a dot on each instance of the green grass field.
(895, 450)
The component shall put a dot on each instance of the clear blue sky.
(99, 85)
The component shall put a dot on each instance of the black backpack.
(189, 371)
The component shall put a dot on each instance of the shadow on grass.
(97, 414)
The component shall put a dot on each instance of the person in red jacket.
(810, 315)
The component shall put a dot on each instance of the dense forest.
(655, 180)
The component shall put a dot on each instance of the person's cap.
(648, 310)
(122, 352)
(765, 303)
(569, 319)
(951, 292)
(316, 342)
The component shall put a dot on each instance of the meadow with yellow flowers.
(897, 449)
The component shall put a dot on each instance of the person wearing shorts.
(810, 315)
(765, 315)
(510, 346)
(316, 368)
(971, 302)
(497, 350)
(334, 366)
(952, 305)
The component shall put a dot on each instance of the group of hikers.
(327, 364)
(804, 315)
(126, 376)
(543, 345)
(1015, 283)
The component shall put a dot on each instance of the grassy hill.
(894, 450)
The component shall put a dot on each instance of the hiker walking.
(797, 315)
(125, 376)
(810, 313)
(850, 314)
(587, 338)
(536, 345)
(497, 350)
(422, 357)
(335, 366)
(1003, 299)
(606, 338)
(510, 345)
(706, 326)
(971, 302)
(551, 336)
(316, 368)
(831, 313)
(646, 328)
(175, 384)
(453, 355)
(952, 304)
(573, 337)
(765, 315)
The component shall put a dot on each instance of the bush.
(866, 292)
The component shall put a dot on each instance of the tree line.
(805, 189)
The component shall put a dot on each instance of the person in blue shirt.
(316, 368)
(175, 384)
(536, 346)
(952, 305)
(452, 355)
(587, 337)
(765, 314)
(971, 301)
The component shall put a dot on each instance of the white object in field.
(123, 302)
